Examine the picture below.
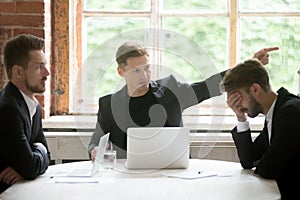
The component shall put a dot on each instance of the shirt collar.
(31, 104)
(269, 114)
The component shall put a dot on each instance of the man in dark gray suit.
(24, 152)
(274, 153)
(143, 102)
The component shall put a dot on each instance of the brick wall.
(26, 16)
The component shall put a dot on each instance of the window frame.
(155, 14)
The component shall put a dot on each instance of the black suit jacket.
(173, 96)
(17, 136)
(280, 160)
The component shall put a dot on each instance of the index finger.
(271, 49)
(235, 92)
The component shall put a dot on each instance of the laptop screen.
(99, 156)
(157, 147)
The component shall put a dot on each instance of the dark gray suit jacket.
(281, 159)
(17, 136)
(171, 95)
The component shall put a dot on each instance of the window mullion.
(234, 36)
(154, 38)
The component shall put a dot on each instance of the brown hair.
(243, 75)
(16, 51)
(128, 50)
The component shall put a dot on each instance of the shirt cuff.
(42, 146)
(242, 126)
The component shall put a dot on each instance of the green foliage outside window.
(209, 33)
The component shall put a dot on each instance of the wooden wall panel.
(60, 62)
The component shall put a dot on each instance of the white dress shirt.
(243, 126)
(269, 118)
(31, 104)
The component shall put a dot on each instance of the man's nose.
(47, 73)
(143, 73)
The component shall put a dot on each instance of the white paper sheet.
(72, 180)
(190, 174)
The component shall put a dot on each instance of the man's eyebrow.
(42, 62)
(140, 66)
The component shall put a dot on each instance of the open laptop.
(157, 147)
(88, 172)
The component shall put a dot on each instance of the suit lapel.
(283, 96)
(35, 124)
(120, 111)
(159, 92)
(23, 107)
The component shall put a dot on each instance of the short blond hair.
(129, 50)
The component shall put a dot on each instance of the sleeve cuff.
(41, 146)
(242, 126)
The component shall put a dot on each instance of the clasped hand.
(10, 176)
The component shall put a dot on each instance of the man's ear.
(120, 71)
(255, 89)
(17, 71)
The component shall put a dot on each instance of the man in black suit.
(274, 153)
(146, 103)
(24, 152)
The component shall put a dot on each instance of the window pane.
(257, 33)
(99, 30)
(103, 37)
(270, 5)
(189, 5)
(117, 4)
(206, 34)
(185, 59)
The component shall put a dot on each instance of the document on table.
(190, 174)
(72, 180)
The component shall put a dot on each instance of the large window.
(191, 39)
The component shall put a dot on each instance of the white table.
(235, 183)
